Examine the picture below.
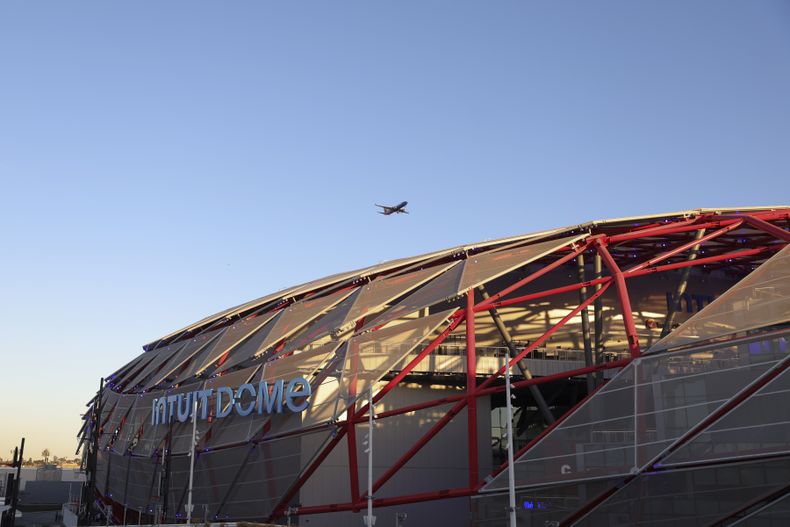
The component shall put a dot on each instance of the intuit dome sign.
(261, 398)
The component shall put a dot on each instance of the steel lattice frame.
(655, 244)
(718, 226)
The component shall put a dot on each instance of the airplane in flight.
(400, 208)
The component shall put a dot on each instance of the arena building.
(649, 385)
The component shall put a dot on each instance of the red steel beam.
(496, 389)
(688, 225)
(691, 224)
(622, 295)
(702, 261)
(543, 338)
(278, 510)
(545, 293)
(684, 247)
(764, 226)
(485, 305)
(441, 423)
(389, 502)
(538, 380)
(412, 364)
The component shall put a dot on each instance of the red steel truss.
(649, 241)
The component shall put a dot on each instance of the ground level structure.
(649, 385)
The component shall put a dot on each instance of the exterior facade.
(649, 366)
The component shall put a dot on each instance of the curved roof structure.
(442, 318)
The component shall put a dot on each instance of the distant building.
(49, 472)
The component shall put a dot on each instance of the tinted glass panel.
(761, 299)
(481, 268)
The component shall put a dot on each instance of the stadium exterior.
(650, 385)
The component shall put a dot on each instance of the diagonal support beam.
(694, 244)
(684, 278)
(548, 417)
(441, 423)
(279, 509)
(693, 432)
(532, 277)
(622, 294)
(762, 225)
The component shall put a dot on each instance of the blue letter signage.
(265, 398)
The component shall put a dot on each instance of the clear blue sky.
(161, 161)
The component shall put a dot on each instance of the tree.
(45, 453)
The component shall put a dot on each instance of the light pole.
(189, 505)
(511, 485)
(370, 520)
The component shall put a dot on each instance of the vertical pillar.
(588, 358)
(598, 320)
(471, 387)
(351, 431)
(18, 483)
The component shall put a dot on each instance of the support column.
(684, 278)
(588, 357)
(351, 433)
(598, 320)
(471, 387)
(548, 417)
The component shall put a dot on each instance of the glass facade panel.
(160, 356)
(323, 326)
(690, 497)
(138, 417)
(775, 514)
(215, 432)
(305, 364)
(326, 391)
(112, 428)
(759, 300)
(117, 469)
(439, 289)
(537, 507)
(271, 469)
(381, 291)
(231, 338)
(191, 348)
(189, 368)
(300, 314)
(372, 355)
(143, 482)
(480, 268)
(122, 371)
(673, 393)
(122, 381)
(758, 426)
(250, 346)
